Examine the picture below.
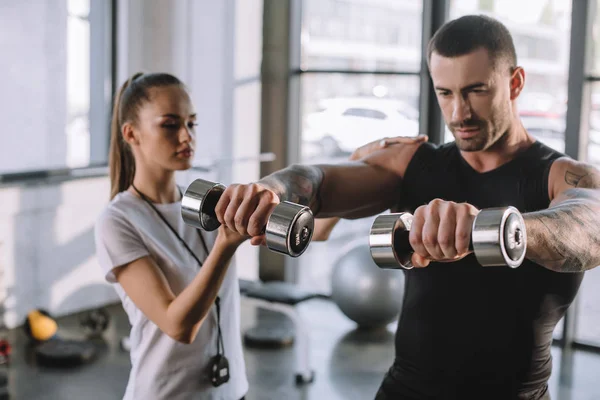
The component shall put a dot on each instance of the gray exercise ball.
(368, 295)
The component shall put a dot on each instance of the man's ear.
(517, 82)
(129, 133)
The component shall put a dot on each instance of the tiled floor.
(348, 364)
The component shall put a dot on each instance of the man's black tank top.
(465, 328)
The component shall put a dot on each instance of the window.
(342, 112)
(346, 100)
(361, 35)
(78, 83)
(593, 147)
(594, 48)
(541, 31)
(46, 95)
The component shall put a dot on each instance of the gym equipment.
(51, 350)
(498, 238)
(288, 231)
(64, 353)
(95, 322)
(281, 297)
(366, 294)
(39, 325)
(5, 351)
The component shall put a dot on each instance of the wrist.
(274, 185)
(225, 245)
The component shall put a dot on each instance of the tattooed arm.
(347, 190)
(352, 190)
(566, 236)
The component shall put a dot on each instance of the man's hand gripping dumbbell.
(446, 231)
(289, 227)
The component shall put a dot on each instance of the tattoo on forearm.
(566, 236)
(298, 183)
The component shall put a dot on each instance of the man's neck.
(504, 150)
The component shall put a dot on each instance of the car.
(341, 125)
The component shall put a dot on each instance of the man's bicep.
(566, 174)
(357, 189)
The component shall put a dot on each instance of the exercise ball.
(368, 295)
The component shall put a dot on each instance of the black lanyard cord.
(220, 345)
(147, 200)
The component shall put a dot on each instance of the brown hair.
(131, 96)
(471, 32)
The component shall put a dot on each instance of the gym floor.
(349, 364)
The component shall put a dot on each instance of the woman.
(175, 282)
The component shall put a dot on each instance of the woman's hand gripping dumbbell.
(288, 230)
(446, 231)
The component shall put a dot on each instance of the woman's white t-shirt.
(163, 368)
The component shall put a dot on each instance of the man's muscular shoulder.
(394, 158)
(567, 173)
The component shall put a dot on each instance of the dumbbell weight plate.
(199, 202)
(289, 229)
(499, 237)
(388, 232)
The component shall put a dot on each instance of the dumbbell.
(498, 238)
(288, 231)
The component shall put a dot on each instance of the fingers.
(447, 231)
(258, 240)
(259, 218)
(465, 216)
(246, 208)
(229, 216)
(430, 234)
(403, 140)
(419, 261)
(371, 147)
(223, 204)
(441, 231)
(415, 236)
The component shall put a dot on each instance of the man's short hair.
(471, 32)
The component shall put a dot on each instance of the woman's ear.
(129, 133)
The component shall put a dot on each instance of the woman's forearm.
(189, 309)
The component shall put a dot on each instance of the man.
(466, 332)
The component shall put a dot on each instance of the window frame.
(103, 45)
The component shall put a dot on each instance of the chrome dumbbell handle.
(288, 231)
(498, 238)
